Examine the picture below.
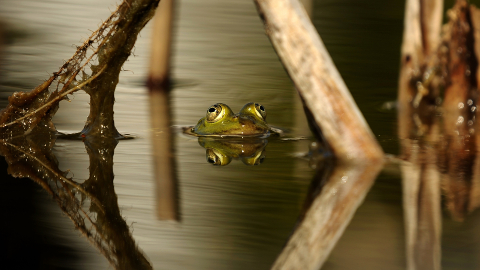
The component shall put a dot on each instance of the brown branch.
(308, 63)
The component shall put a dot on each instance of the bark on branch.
(308, 63)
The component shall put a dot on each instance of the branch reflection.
(92, 206)
(337, 190)
(166, 182)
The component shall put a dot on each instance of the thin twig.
(58, 98)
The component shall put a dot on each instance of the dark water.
(233, 217)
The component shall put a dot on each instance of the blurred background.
(232, 217)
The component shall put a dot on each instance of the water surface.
(232, 217)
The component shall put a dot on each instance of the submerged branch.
(110, 46)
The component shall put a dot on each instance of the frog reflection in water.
(221, 121)
(250, 151)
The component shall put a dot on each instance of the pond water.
(235, 216)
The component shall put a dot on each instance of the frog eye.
(215, 113)
(213, 160)
(254, 160)
(260, 110)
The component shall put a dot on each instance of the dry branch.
(318, 82)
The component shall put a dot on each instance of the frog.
(221, 121)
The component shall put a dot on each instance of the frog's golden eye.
(215, 113)
(260, 111)
(256, 159)
(214, 160)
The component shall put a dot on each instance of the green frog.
(221, 121)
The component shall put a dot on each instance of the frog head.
(220, 120)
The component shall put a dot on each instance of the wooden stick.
(160, 114)
(161, 44)
(421, 37)
(318, 82)
(431, 24)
